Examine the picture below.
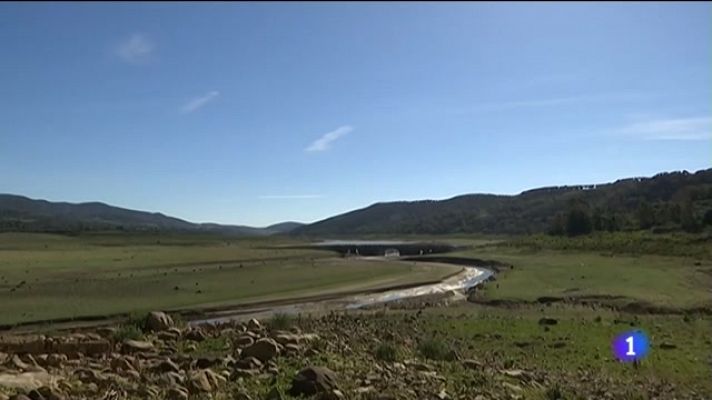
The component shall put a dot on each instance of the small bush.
(128, 331)
(137, 320)
(436, 349)
(281, 322)
(386, 352)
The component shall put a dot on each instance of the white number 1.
(630, 352)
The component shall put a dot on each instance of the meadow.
(46, 277)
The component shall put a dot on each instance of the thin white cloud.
(200, 101)
(137, 49)
(697, 128)
(324, 142)
(291, 196)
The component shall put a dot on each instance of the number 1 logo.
(630, 346)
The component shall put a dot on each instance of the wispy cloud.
(200, 101)
(291, 196)
(137, 49)
(324, 142)
(697, 128)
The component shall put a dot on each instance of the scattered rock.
(244, 341)
(137, 346)
(472, 364)
(264, 349)
(159, 321)
(204, 380)
(254, 325)
(313, 380)
(196, 335)
(25, 381)
(248, 363)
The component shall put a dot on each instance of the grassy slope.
(96, 275)
(515, 337)
(549, 269)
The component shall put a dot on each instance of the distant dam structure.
(384, 248)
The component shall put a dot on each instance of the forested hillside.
(665, 202)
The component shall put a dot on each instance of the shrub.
(128, 331)
(386, 352)
(436, 349)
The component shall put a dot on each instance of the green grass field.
(579, 342)
(51, 276)
(681, 282)
(104, 274)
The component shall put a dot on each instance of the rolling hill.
(19, 213)
(667, 201)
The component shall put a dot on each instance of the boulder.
(254, 325)
(264, 350)
(204, 380)
(25, 381)
(196, 334)
(158, 321)
(244, 341)
(292, 348)
(248, 363)
(136, 346)
(313, 380)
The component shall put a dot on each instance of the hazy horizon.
(264, 113)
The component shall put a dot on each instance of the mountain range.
(666, 201)
(19, 213)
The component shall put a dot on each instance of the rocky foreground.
(329, 358)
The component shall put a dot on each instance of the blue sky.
(258, 113)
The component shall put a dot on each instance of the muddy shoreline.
(209, 313)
